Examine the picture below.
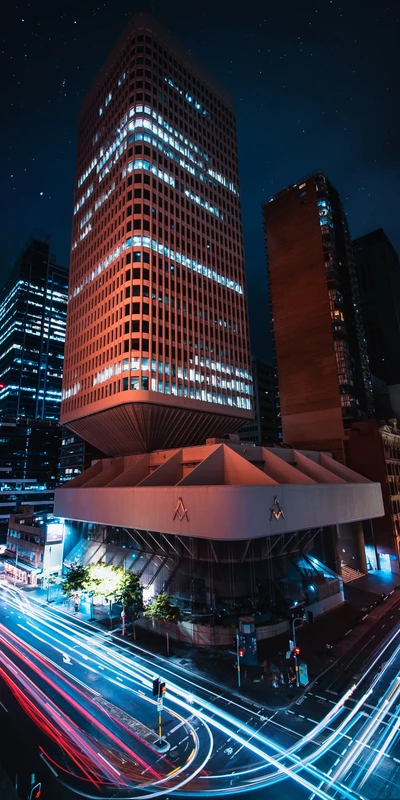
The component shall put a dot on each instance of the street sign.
(288, 654)
(291, 645)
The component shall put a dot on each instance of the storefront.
(22, 573)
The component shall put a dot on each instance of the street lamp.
(16, 563)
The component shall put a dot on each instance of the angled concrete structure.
(228, 491)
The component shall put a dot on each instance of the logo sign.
(276, 509)
(180, 511)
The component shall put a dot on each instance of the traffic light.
(162, 689)
(36, 792)
(241, 652)
(156, 687)
(296, 651)
(310, 618)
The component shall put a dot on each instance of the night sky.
(316, 86)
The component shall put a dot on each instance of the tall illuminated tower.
(157, 349)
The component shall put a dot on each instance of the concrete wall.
(222, 512)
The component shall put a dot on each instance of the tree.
(161, 608)
(77, 579)
(130, 592)
(103, 579)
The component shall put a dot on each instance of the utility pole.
(16, 563)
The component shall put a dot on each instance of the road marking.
(320, 698)
(176, 728)
(48, 765)
(396, 759)
(312, 720)
(330, 691)
(3, 706)
(289, 711)
(302, 716)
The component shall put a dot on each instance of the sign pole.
(238, 659)
(160, 709)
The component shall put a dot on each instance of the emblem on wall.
(276, 509)
(180, 511)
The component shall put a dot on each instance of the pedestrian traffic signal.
(241, 652)
(296, 651)
(162, 689)
(156, 687)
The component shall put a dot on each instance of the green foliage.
(108, 581)
(76, 579)
(161, 608)
(104, 579)
(130, 592)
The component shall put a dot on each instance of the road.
(79, 713)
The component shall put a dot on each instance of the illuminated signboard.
(54, 532)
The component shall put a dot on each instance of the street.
(80, 714)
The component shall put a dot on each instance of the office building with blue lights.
(33, 311)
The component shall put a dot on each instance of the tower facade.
(320, 346)
(33, 311)
(157, 351)
(378, 271)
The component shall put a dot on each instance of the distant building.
(321, 353)
(375, 451)
(76, 455)
(263, 430)
(29, 466)
(378, 271)
(33, 312)
(34, 547)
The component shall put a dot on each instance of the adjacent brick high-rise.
(157, 351)
(321, 353)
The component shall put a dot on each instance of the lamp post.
(16, 563)
(48, 575)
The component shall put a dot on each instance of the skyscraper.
(321, 352)
(264, 429)
(157, 351)
(379, 280)
(33, 310)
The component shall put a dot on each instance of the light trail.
(143, 674)
(386, 703)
